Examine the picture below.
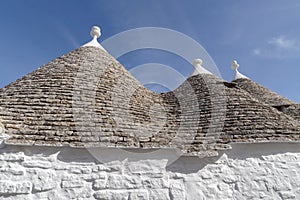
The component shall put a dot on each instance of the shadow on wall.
(240, 151)
(184, 164)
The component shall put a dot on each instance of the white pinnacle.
(199, 69)
(95, 33)
(235, 67)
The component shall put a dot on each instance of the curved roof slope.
(82, 98)
(269, 97)
(261, 93)
(248, 120)
(229, 114)
(87, 98)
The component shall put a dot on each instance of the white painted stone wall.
(257, 171)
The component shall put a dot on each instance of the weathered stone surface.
(123, 181)
(177, 189)
(287, 195)
(151, 182)
(80, 170)
(68, 177)
(37, 163)
(139, 195)
(112, 194)
(147, 166)
(75, 170)
(193, 191)
(43, 179)
(76, 193)
(86, 170)
(72, 184)
(101, 182)
(15, 171)
(17, 157)
(159, 194)
(230, 179)
(205, 174)
(271, 176)
(15, 187)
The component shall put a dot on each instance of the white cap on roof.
(95, 33)
(235, 67)
(197, 63)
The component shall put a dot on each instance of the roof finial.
(95, 33)
(235, 65)
(199, 69)
(238, 75)
(197, 61)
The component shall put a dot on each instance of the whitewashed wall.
(249, 171)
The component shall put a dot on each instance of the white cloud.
(283, 42)
(257, 51)
(279, 47)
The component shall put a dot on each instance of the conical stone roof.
(65, 101)
(229, 114)
(87, 99)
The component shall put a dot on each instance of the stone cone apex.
(199, 69)
(95, 34)
(237, 74)
(262, 93)
(258, 91)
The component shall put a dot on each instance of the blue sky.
(264, 36)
